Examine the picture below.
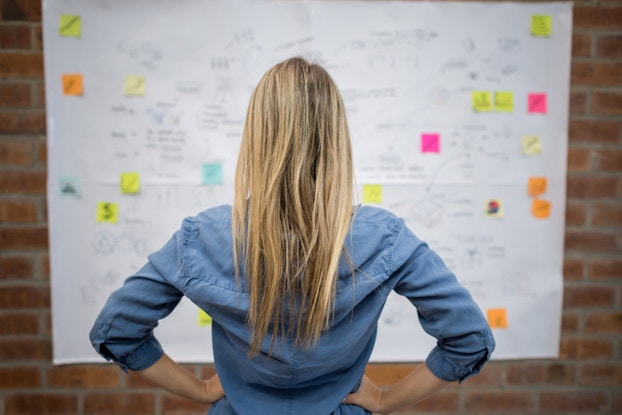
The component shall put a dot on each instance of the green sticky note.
(130, 183)
(504, 101)
(204, 319)
(212, 173)
(481, 101)
(70, 25)
(107, 212)
(134, 86)
(541, 25)
(372, 193)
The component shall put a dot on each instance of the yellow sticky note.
(481, 101)
(531, 145)
(204, 319)
(494, 208)
(536, 186)
(541, 209)
(541, 25)
(504, 101)
(134, 86)
(72, 84)
(372, 193)
(107, 212)
(497, 318)
(130, 183)
(70, 25)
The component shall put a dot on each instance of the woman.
(293, 276)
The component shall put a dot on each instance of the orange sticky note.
(541, 209)
(497, 318)
(536, 186)
(72, 84)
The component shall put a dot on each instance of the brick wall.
(587, 379)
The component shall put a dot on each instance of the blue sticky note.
(212, 173)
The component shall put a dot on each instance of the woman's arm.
(418, 385)
(173, 377)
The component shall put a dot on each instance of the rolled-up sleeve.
(445, 309)
(123, 331)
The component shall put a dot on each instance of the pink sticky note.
(536, 103)
(430, 143)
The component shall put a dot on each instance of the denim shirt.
(197, 262)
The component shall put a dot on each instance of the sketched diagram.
(107, 243)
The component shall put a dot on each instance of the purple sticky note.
(536, 103)
(430, 143)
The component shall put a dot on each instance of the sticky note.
(72, 84)
(531, 145)
(541, 209)
(204, 319)
(430, 143)
(481, 101)
(494, 208)
(541, 25)
(107, 212)
(536, 103)
(70, 25)
(497, 318)
(130, 183)
(69, 186)
(372, 193)
(134, 86)
(504, 101)
(536, 186)
(212, 173)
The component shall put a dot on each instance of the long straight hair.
(293, 202)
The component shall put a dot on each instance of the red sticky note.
(536, 103)
(430, 143)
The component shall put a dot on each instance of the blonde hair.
(293, 202)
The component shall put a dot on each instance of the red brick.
(606, 215)
(591, 241)
(114, 404)
(588, 296)
(446, 402)
(540, 374)
(83, 376)
(42, 152)
(573, 401)
(507, 402)
(19, 323)
(491, 375)
(595, 17)
(18, 211)
(595, 131)
(603, 323)
(19, 377)
(596, 73)
(578, 103)
(581, 45)
(570, 322)
(606, 103)
(15, 268)
(616, 403)
(16, 36)
(39, 100)
(578, 159)
(20, 10)
(173, 405)
(24, 238)
(592, 187)
(23, 182)
(13, 296)
(601, 374)
(21, 65)
(25, 349)
(40, 403)
(608, 160)
(15, 95)
(31, 122)
(386, 374)
(605, 269)
(584, 348)
(37, 37)
(609, 46)
(16, 152)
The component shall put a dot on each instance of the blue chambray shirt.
(197, 262)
